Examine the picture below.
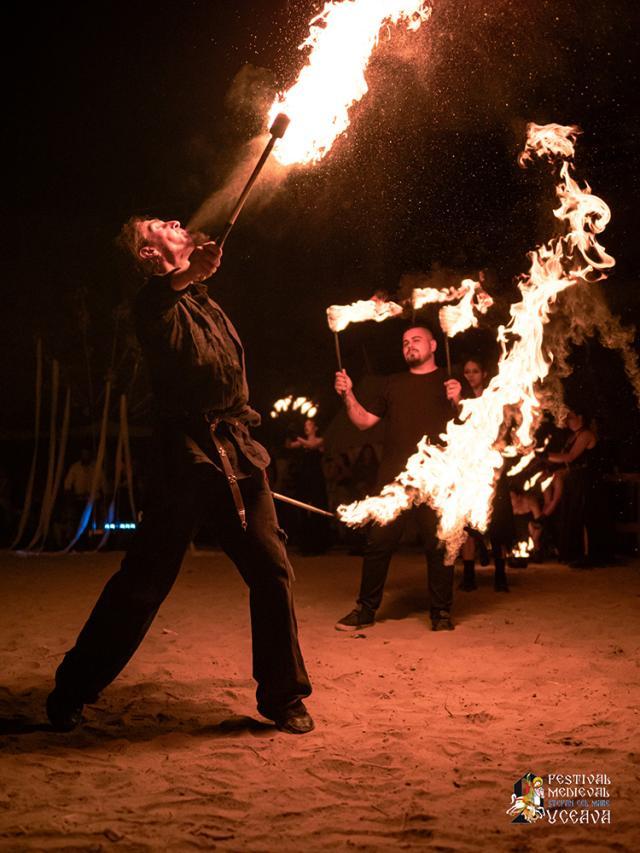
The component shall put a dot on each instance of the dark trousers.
(383, 540)
(131, 598)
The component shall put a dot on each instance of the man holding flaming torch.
(207, 460)
(414, 404)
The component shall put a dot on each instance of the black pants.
(130, 600)
(383, 540)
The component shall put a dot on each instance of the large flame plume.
(340, 43)
(457, 478)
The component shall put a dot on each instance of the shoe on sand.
(441, 621)
(64, 713)
(360, 617)
(295, 720)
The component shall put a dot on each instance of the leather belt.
(232, 480)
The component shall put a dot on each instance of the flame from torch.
(457, 479)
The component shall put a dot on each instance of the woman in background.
(501, 528)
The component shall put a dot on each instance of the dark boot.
(500, 577)
(64, 712)
(468, 582)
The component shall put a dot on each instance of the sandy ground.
(420, 736)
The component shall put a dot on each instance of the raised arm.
(203, 263)
(357, 414)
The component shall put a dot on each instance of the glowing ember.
(340, 43)
(457, 479)
(294, 404)
(339, 316)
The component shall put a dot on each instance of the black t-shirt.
(413, 405)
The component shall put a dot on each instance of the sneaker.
(360, 617)
(295, 720)
(441, 621)
(64, 714)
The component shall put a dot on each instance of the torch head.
(279, 126)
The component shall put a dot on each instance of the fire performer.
(208, 461)
(414, 404)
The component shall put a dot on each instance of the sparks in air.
(457, 478)
(340, 43)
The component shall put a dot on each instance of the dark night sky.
(124, 107)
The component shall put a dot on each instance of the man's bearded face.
(417, 347)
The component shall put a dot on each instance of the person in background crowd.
(501, 528)
(77, 488)
(582, 511)
(310, 487)
(365, 472)
(79, 477)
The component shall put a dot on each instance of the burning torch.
(277, 131)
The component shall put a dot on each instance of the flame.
(457, 478)
(339, 316)
(532, 481)
(544, 485)
(523, 549)
(454, 318)
(340, 43)
(474, 300)
(427, 295)
(522, 464)
(296, 404)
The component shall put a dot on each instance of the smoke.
(583, 313)
(247, 104)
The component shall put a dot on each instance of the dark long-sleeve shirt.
(197, 371)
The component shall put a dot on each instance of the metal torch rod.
(278, 128)
(302, 505)
(448, 354)
(338, 353)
